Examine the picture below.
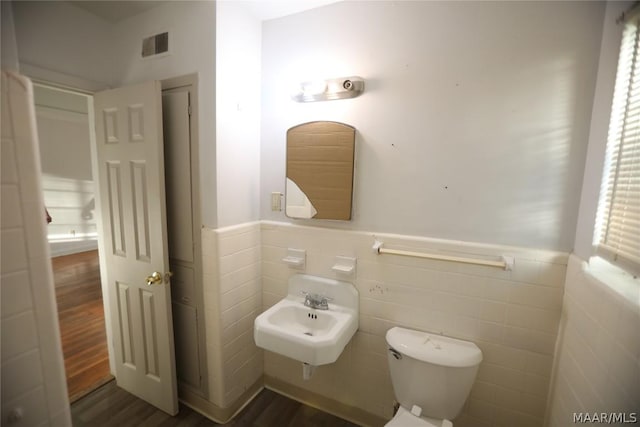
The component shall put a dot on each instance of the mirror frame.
(322, 176)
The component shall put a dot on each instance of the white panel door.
(132, 195)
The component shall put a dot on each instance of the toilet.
(431, 375)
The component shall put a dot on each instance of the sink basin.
(312, 336)
(302, 321)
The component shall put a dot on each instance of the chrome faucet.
(319, 302)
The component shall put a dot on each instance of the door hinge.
(189, 110)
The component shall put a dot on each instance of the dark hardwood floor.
(112, 406)
(81, 317)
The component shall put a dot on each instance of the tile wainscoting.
(513, 316)
(232, 300)
(597, 367)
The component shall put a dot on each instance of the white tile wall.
(598, 357)
(233, 299)
(33, 380)
(513, 316)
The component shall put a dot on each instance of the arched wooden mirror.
(320, 159)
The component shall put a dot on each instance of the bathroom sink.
(310, 335)
(290, 316)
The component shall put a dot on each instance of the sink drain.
(309, 333)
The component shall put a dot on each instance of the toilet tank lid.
(433, 348)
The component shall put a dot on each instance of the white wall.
(67, 181)
(64, 41)
(238, 47)
(34, 389)
(65, 44)
(474, 120)
(9, 50)
(191, 26)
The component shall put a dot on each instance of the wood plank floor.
(112, 406)
(81, 317)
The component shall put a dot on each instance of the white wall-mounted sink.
(310, 335)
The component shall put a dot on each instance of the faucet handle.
(308, 295)
(315, 296)
(316, 300)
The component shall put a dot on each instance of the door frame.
(190, 81)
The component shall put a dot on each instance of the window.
(617, 236)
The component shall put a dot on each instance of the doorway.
(74, 247)
(62, 118)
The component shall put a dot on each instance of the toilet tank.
(431, 371)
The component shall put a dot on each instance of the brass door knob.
(154, 279)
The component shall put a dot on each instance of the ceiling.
(117, 10)
(271, 9)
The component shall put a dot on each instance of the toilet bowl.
(404, 418)
(432, 376)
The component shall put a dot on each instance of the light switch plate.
(276, 201)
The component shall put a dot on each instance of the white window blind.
(618, 227)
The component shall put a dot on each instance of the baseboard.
(68, 248)
(216, 413)
(349, 413)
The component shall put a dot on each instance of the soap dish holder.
(296, 258)
(345, 265)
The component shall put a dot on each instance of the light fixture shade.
(330, 89)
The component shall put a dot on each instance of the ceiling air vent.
(155, 45)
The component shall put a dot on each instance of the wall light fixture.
(330, 89)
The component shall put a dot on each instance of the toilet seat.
(404, 418)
